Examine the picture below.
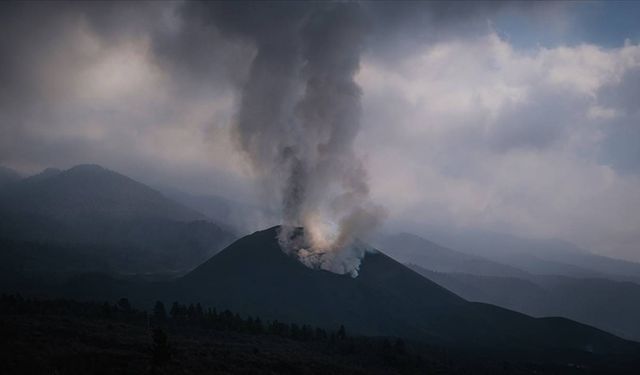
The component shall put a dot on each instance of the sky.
(519, 118)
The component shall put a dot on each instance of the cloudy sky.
(521, 118)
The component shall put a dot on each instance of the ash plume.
(298, 119)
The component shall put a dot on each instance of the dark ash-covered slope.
(254, 276)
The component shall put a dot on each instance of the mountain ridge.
(408, 247)
(536, 256)
(90, 189)
(88, 209)
(609, 305)
(8, 176)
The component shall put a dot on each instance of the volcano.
(254, 276)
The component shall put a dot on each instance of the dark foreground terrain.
(67, 337)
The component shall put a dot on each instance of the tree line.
(194, 315)
(178, 317)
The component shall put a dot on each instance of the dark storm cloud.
(402, 28)
(22, 46)
(46, 48)
(204, 47)
(206, 50)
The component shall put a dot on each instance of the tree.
(106, 310)
(259, 328)
(124, 305)
(161, 352)
(306, 332)
(321, 334)
(199, 313)
(159, 318)
(211, 319)
(295, 331)
(386, 346)
(191, 313)
(342, 333)
(177, 313)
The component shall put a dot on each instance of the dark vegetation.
(69, 337)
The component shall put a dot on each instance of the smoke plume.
(298, 118)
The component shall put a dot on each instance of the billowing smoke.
(297, 122)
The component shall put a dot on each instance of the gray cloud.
(502, 139)
(621, 146)
(204, 49)
(538, 124)
(457, 129)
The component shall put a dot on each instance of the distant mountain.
(91, 191)
(609, 305)
(254, 276)
(239, 217)
(46, 173)
(213, 206)
(409, 248)
(8, 176)
(541, 257)
(125, 225)
(586, 297)
(620, 269)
